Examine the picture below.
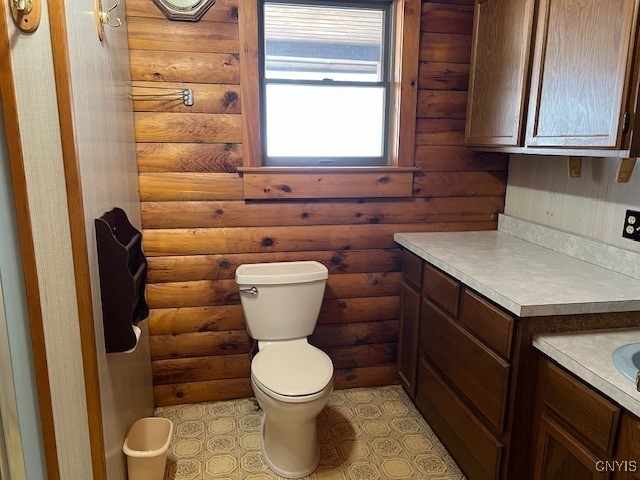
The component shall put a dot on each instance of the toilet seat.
(293, 370)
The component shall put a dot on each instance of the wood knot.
(383, 180)
(230, 97)
(304, 215)
(267, 242)
(284, 188)
(223, 264)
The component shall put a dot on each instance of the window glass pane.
(304, 42)
(324, 121)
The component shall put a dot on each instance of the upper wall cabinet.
(499, 65)
(579, 79)
(583, 86)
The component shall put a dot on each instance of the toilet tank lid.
(280, 273)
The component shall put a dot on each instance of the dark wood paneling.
(224, 292)
(431, 131)
(460, 184)
(265, 186)
(196, 392)
(211, 98)
(438, 18)
(225, 213)
(436, 158)
(189, 186)
(187, 127)
(441, 104)
(189, 157)
(287, 239)
(217, 267)
(199, 228)
(211, 37)
(450, 48)
(161, 66)
(443, 76)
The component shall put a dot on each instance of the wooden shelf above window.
(262, 183)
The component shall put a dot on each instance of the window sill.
(262, 183)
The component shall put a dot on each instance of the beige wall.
(38, 115)
(594, 205)
(106, 151)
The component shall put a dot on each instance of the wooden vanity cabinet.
(409, 325)
(576, 92)
(471, 369)
(577, 427)
(499, 72)
(580, 434)
(628, 454)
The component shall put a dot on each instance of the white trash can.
(146, 448)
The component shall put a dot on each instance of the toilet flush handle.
(250, 291)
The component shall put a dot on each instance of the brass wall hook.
(104, 17)
(26, 14)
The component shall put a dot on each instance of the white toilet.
(291, 379)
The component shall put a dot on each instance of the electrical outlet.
(632, 225)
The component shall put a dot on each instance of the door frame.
(27, 251)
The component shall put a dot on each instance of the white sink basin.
(627, 359)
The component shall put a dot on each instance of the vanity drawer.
(586, 412)
(477, 372)
(441, 288)
(487, 322)
(473, 447)
(411, 269)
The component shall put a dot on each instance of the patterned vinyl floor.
(364, 433)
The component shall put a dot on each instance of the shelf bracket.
(574, 166)
(625, 169)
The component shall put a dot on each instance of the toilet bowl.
(291, 379)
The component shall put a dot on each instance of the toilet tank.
(281, 301)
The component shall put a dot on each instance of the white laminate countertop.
(524, 278)
(588, 355)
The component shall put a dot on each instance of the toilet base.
(289, 435)
(284, 473)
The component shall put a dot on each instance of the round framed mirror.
(191, 10)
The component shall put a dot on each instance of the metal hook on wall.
(26, 14)
(104, 17)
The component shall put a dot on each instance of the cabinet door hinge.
(625, 122)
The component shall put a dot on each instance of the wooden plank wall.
(198, 228)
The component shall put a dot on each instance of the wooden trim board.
(27, 254)
(62, 69)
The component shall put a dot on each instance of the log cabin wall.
(198, 228)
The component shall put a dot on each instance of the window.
(325, 82)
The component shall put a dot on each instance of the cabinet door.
(559, 456)
(498, 78)
(580, 73)
(408, 338)
(628, 455)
